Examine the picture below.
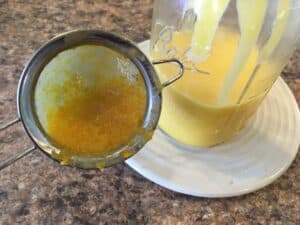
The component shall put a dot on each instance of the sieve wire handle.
(9, 123)
(18, 155)
(178, 75)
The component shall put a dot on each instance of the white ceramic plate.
(251, 160)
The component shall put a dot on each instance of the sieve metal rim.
(69, 40)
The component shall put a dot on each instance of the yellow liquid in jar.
(190, 112)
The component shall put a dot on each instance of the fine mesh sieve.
(130, 62)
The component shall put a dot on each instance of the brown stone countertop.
(36, 190)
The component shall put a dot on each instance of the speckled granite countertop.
(37, 190)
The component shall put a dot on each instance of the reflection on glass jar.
(242, 47)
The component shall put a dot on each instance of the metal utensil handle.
(179, 74)
(9, 123)
(18, 155)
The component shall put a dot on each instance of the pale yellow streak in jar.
(251, 16)
(209, 13)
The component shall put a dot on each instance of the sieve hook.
(18, 155)
(179, 74)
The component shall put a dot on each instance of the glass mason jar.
(233, 51)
